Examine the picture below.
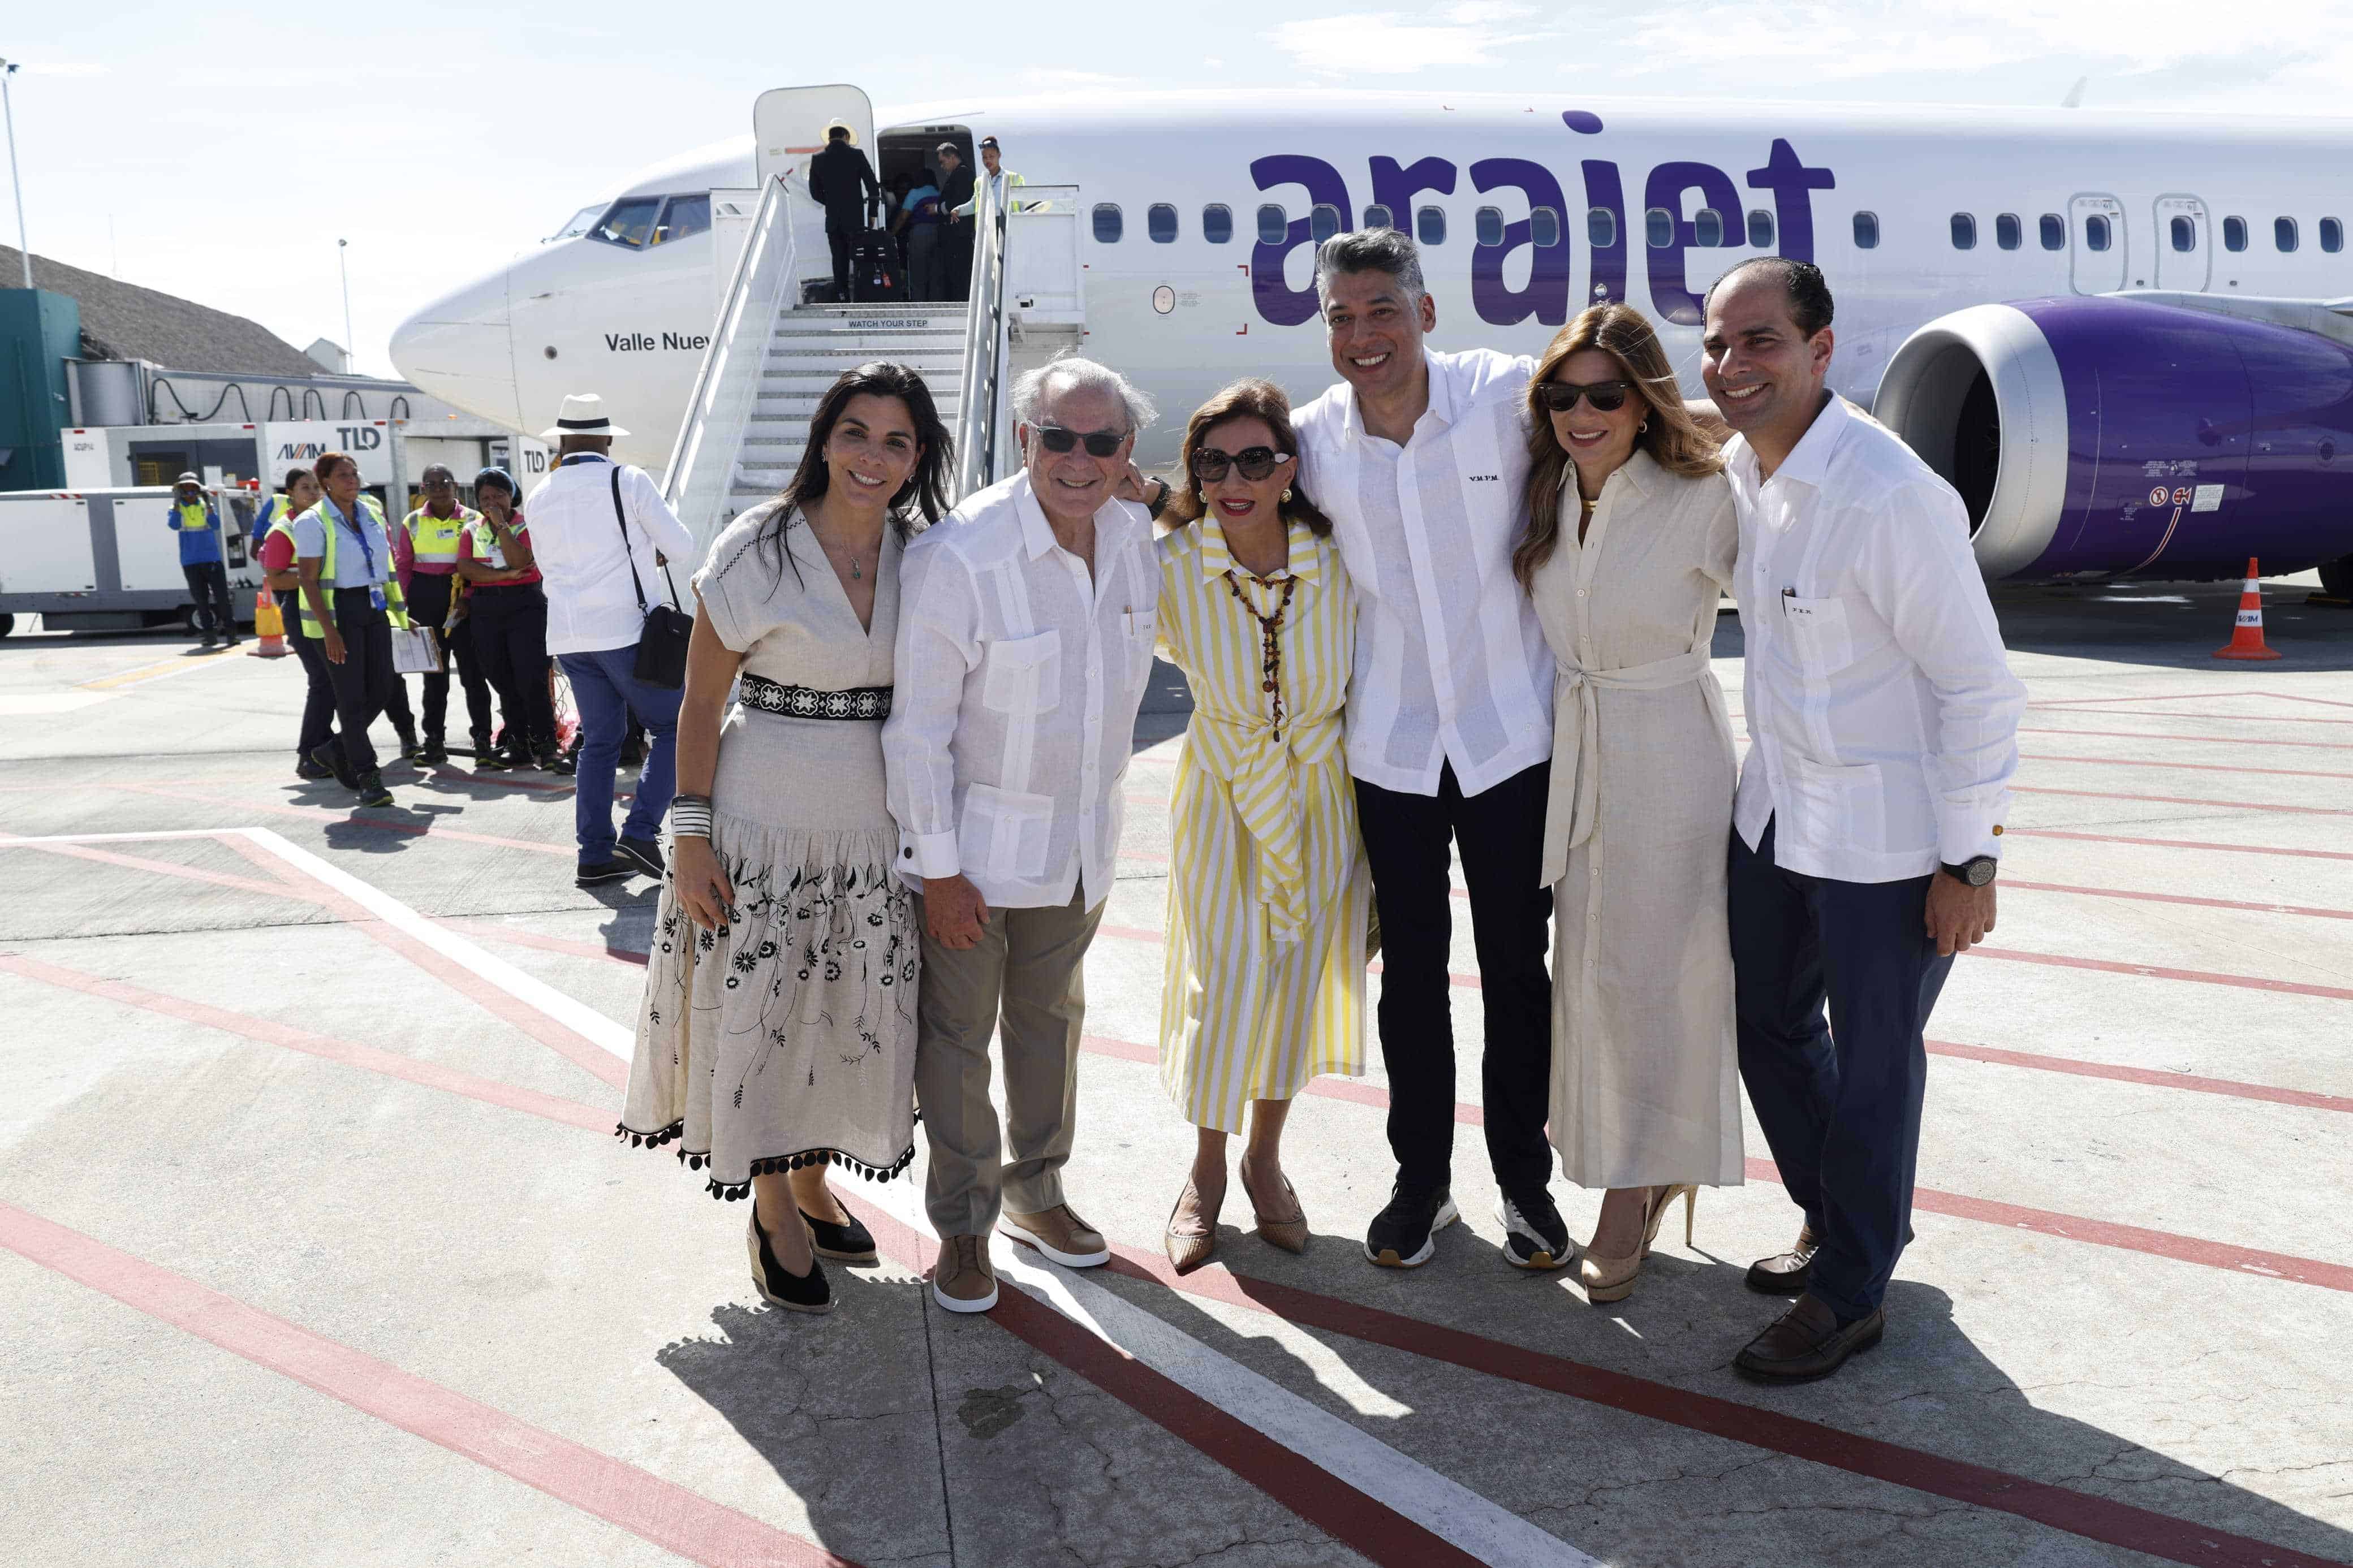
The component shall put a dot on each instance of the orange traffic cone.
(268, 626)
(2247, 637)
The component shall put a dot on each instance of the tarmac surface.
(315, 1246)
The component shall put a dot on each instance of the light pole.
(350, 349)
(16, 181)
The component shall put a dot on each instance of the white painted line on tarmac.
(1492, 1533)
(6, 840)
(32, 704)
(578, 1017)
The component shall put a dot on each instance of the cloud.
(1470, 34)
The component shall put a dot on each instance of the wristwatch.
(1977, 871)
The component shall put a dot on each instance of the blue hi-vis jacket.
(198, 526)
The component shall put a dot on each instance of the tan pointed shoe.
(1290, 1235)
(1612, 1278)
(1188, 1248)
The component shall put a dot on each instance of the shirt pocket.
(1820, 632)
(1024, 674)
(1004, 832)
(1843, 804)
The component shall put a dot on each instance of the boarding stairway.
(772, 355)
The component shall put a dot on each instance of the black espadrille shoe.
(794, 1293)
(848, 1242)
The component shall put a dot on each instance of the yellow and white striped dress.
(1268, 892)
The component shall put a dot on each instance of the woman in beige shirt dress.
(1630, 539)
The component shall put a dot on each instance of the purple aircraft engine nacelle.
(2130, 435)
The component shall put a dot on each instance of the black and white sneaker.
(588, 875)
(1534, 1235)
(643, 854)
(1401, 1235)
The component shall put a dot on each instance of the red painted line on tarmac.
(317, 816)
(2296, 719)
(2193, 740)
(431, 1075)
(1349, 1516)
(2153, 972)
(481, 927)
(2192, 767)
(2071, 1065)
(2178, 800)
(2061, 1508)
(2169, 696)
(645, 1505)
(166, 867)
(2008, 883)
(2176, 844)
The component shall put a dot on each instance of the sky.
(220, 155)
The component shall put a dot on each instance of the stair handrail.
(700, 479)
(983, 388)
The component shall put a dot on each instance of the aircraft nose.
(460, 349)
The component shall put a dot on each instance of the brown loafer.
(963, 1280)
(1808, 1342)
(1059, 1233)
(1787, 1273)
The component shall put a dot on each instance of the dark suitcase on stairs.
(875, 274)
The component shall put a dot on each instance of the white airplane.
(2126, 339)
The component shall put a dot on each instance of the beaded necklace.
(1268, 627)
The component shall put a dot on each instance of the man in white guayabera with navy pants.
(1869, 816)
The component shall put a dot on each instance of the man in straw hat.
(843, 179)
(600, 536)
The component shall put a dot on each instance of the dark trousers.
(1838, 1097)
(365, 683)
(923, 277)
(318, 693)
(509, 637)
(208, 586)
(429, 606)
(1500, 834)
(956, 258)
(840, 241)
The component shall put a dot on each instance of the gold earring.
(1643, 429)
(1286, 492)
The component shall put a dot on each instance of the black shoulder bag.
(661, 644)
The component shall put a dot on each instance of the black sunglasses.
(1607, 396)
(1209, 465)
(1100, 443)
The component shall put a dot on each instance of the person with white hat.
(198, 523)
(600, 533)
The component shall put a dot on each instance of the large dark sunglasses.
(1607, 396)
(1209, 465)
(1100, 443)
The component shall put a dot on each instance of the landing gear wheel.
(2336, 577)
(7, 624)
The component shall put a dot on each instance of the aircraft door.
(788, 125)
(2185, 247)
(2096, 237)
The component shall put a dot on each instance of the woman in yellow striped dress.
(1268, 894)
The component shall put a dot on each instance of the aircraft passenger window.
(1216, 222)
(685, 216)
(2184, 234)
(1660, 226)
(1964, 231)
(2332, 236)
(1760, 230)
(1488, 224)
(1322, 221)
(1108, 222)
(1707, 226)
(1160, 223)
(630, 222)
(1429, 225)
(2234, 233)
(580, 221)
(1866, 231)
(1544, 225)
(1377, 217)
(2007, 232)
(2095, 232)
(1274, 224)
(2054, 231)
(2284, 232)
(1601, 227)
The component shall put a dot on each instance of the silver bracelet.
(689, 817)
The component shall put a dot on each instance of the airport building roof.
(124, 321)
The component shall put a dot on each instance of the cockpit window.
(684, 217)
(630, 221)
(578, 223)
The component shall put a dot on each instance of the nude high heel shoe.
(1290, 1235)
(1188, 1249)
(1612, 1278)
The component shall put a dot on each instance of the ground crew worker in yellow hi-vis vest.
(350, 602)
(424, 552)
(197, 522)
(317, 754)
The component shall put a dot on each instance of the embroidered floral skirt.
(789, 1034)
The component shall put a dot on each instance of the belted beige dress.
(1645, 1076)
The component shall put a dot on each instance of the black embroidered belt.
(808, 702)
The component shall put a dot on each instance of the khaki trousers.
(1023, 981)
